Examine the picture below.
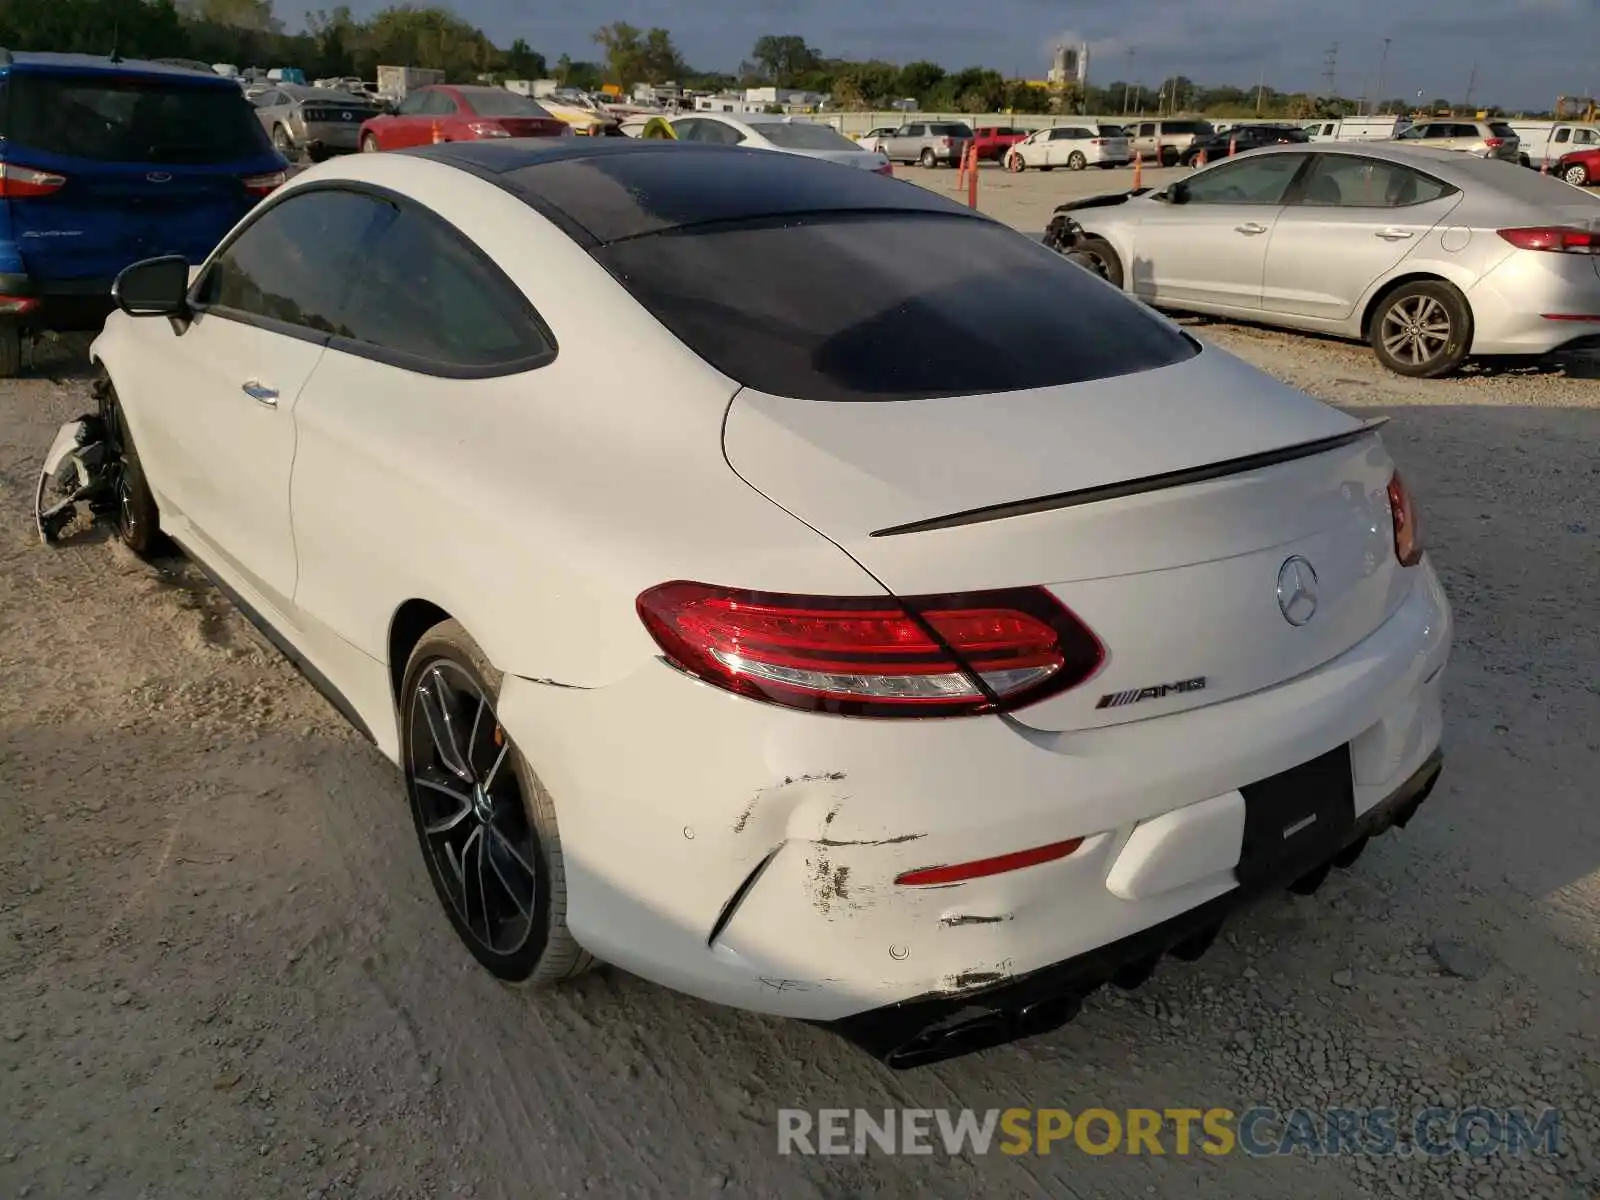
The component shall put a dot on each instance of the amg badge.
(1181, 687)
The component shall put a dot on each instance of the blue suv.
(104, 162)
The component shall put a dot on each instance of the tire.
(1168, 158)
(1400, 331)
(10, 350)
(138, 517)
(928, 159)
(284, 144)
(1076, 161)
(1015, 163)
(1577, 175)
(1097, 255)
(369, 144)
(501, 840)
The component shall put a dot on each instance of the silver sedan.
(1428, 255)
(317, 122)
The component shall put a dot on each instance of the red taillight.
(945, 142)
(13, 306)
(1097, 141)
(1408, 545)
(999, 865)
(20, 182)
(884, 169)
(1494, 143)
(262, 185)
(1559, 238)
(920, 656)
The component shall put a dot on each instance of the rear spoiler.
(1137, 487)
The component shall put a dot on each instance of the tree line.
(334, 43)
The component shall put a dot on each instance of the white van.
(1357, 129)
(1544, 142)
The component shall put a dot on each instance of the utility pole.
(1127, 82)
(1261, 84)
(1383, 64)
(1330, 66)
(1472, 84)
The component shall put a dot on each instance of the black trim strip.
(1136, 487)
(284, 647)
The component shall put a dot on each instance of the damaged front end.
(81, 467)
(1064, 233)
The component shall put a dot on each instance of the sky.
(1526, 51)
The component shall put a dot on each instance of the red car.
(994, 140)
(459, 114)
(1580, 168)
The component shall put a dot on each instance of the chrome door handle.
(1393, 235)
(1250, 230)
(260, 393)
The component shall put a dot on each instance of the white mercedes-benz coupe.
(877, 620)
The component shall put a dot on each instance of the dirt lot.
(222, 972)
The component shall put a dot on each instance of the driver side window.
(1262, 180)
(269, 275)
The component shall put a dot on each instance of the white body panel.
(536, 507)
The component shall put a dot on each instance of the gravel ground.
(222, 972)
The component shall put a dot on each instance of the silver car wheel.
(1416, 329)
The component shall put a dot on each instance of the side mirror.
(1177, 192)
(156, 287)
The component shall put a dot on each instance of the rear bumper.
(1534, 303)
(747, 854)
(935, 1028)
(64, 304)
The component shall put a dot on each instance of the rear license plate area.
(1296, 820)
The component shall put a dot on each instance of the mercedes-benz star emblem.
(159, 177)
(1297, 590)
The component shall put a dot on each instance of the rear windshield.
(130, 120)
(801, 135)
(887, 306)
(1112, 131)
(497, 102)
(1501, 130)
(951, 129)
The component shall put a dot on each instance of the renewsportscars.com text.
(1257, 1132)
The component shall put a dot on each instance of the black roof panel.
(606, 189)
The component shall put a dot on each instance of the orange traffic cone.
(1233, 147)
(1138, 171)
(972, 181)
(1200, 160)
(961, 168)
(1544, 167)
(438, 134)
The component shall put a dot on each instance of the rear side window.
(887, 306)
(1201, 127)
(431, 301)
(950, 129)
(109, 119)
